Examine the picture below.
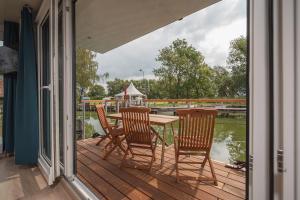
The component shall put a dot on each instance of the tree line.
(182, 73)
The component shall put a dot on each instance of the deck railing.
(202, 100)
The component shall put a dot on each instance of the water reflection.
(229, 137)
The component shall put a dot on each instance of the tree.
(237, 62)
(223, 82)
(116, 86)
(86, 70)
(183, 72)
(96, 92)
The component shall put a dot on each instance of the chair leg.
(212, 171)
(102, 138)
(124, 157)
(110, 143)
(109, 152)
(120, 145)
(176, 166)
(204, 162)
(131, 152)
(152, 159)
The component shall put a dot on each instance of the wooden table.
(159, 120)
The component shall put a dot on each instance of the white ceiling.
(102, 25)
(10, 10)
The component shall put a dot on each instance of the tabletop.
(154, 119)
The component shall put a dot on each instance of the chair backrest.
(196, 129)
(102, 118)
(136, 125)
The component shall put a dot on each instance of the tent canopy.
(130, 91)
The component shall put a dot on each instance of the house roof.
(130, 91)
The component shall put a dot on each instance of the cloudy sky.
(209, 31)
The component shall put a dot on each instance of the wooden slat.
(98, 183)
(128, 190)
(163, 176)
(203, 195)
(140, 185)
(90, 186)
(170, 165)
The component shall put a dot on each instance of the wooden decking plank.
(160, 185)
(221, 193)
(218, 165)
(164, 187)
(237, 178)
(221, 178)
(97, 151)
(219, 170)
(90, 186)
(99, 184)
(142, 186)
(122, 186)
(234, 190)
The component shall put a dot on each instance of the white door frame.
(68, 83)
(285, 106)
(259, 99)
(49, 8)
(297, 104)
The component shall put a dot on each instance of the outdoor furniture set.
(193, 138)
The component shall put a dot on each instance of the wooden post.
(105, 106)
(117, 106)
(83, 121)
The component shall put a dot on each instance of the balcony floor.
(108, 181)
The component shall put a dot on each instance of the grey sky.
(209, 31)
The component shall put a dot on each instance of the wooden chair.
(195, 137)
(112, 132)
(138, 132)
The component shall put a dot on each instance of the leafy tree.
(237, 62)
(116, 86)
(104, 76)
(183, 72)
(96, 92)
(86, 70)
(223, 82)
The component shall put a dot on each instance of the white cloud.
(209, 31)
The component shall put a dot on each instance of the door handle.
(46, 87)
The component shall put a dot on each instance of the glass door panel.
(46, 93)
(61, 86)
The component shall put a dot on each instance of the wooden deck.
(108, 181)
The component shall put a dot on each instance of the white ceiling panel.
(102, 25)
(10, 10)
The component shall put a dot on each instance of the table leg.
(163, 147)
(173, 129)
(116, 122)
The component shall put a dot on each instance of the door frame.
(286, 88)
(49, 9)
(259, 100)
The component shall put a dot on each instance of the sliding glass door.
(45, 91)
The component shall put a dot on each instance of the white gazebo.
(134, 95)
(131, 91)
